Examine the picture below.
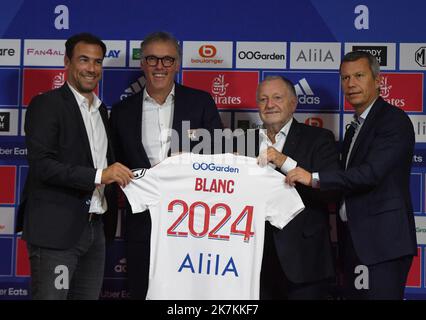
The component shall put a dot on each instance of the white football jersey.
(208, 217)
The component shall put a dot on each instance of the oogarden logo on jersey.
(203, 166)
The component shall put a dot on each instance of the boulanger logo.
(207, 51)
(198, 54)
(261, 55)
(203, 166)
(305, 94)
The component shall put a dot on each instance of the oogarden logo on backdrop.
(261, 55)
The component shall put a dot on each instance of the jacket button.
(88, 202)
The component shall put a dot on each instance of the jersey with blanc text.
(208, 217)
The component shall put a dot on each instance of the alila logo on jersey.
(219, 88)
(209, 265)
(213, 167)
(138, 173)
(305, 94)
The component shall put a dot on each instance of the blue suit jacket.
(375, 185)
(192, 105)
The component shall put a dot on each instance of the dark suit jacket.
(190, 104)
(303, 246)
(60, 182)
(376, 186)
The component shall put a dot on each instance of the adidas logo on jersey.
(305, 94)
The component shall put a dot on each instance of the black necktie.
(350, 132)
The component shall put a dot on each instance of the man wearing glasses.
(138, 124)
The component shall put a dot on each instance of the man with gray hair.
(138, 125)
(378, 236)
(297, 260)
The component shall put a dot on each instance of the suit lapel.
(77, 118)
(366, 127)
(135, 125)
(104, 115)
(292, 139)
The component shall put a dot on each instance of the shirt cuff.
(288, 165)
(98, 177)
(315, 180)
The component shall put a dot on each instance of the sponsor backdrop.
(228, 47)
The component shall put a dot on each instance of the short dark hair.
(82, 37)
(161, 36)
(287, 82)
(356, 55)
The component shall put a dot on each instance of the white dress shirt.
(98, 142)
(156, 126)
(280, 138)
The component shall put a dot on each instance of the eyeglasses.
(167, 61)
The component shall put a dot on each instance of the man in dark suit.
(64, 196)
(140, 133)
(297, 260)
(377, 237)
